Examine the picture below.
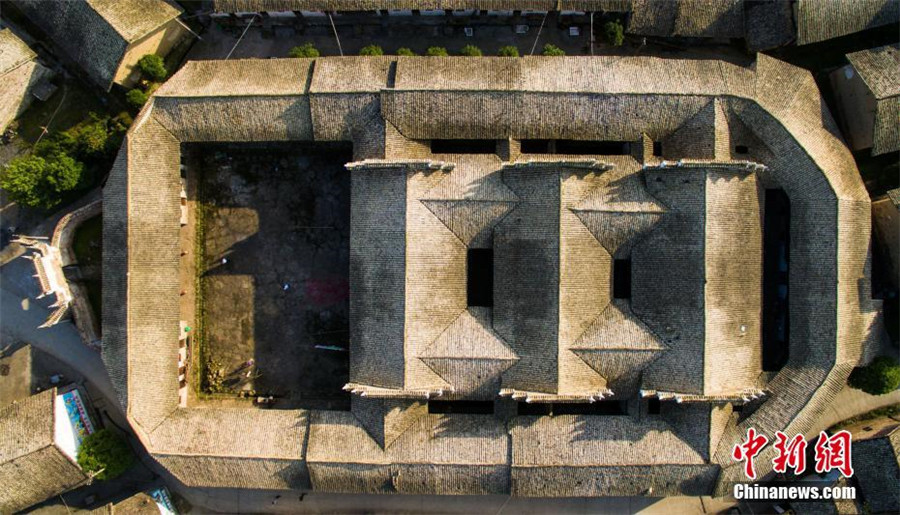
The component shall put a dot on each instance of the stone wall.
(63, 236)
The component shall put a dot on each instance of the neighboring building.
(20, 76)
(622, 215)
(156, 501)
(39, 441)
(406, 7)
(867, 92)
(764, 24)
(886, 223)
(106, 38)
(688, 18)
(876, 465)
(818, 20)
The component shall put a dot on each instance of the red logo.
(748, 450)
(790, 453)
(834, 453)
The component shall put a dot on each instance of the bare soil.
(275, 283)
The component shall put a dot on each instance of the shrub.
(91, 138)
(59, 144)
(136, 98)
(614, 33)
(405, 51)
(304, 50)
(118, 127)
(371, 50)
(152, 67)
(470, 51)
(105, 453)
(37, 181)
(122, 121)
(552, 50)
(508, 51)
(436, 51)
(880, 377)
(215, 377)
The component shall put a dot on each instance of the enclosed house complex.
(568, 276)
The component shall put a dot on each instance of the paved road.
(850, 403)
(231, 501)
(20, 316)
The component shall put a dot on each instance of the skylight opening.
(622, 279)
(463, 146)
(480, 277)
(461, 407)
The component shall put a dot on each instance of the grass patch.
(77, 103)
(88, 242)
(200, 352)
(887, 411)
(87, 245)
(94, 289)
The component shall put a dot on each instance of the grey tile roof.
(818, 20)
(13, 52)
(239, 78)
(879, 68)
(768, 25)
(20, 74)
(569, 455)
(96, 33)
(134, 19)
(32, 468)
(139, 504)
(580, 440)
(894, 195)
(377, 256)
(414, 214)
(688, 18)
(26, 426)
(427, 454)
(876, 466)
(526, 278)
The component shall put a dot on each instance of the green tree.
(153, 67)
(304, 50)
(118, 127)
(436, 51)
(136, 98)
(552, 50)
(106, 454)
(122, 121)
(405, 51)
(614, 33)
(470, 51)
(371, 50)
(42, 182)
(880, 377)
(508, 51)
(57, 144)
(91, 137)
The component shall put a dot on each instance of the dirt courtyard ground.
(276, 236)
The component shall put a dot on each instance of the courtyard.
(273, 259)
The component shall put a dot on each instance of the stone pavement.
(290, 502)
